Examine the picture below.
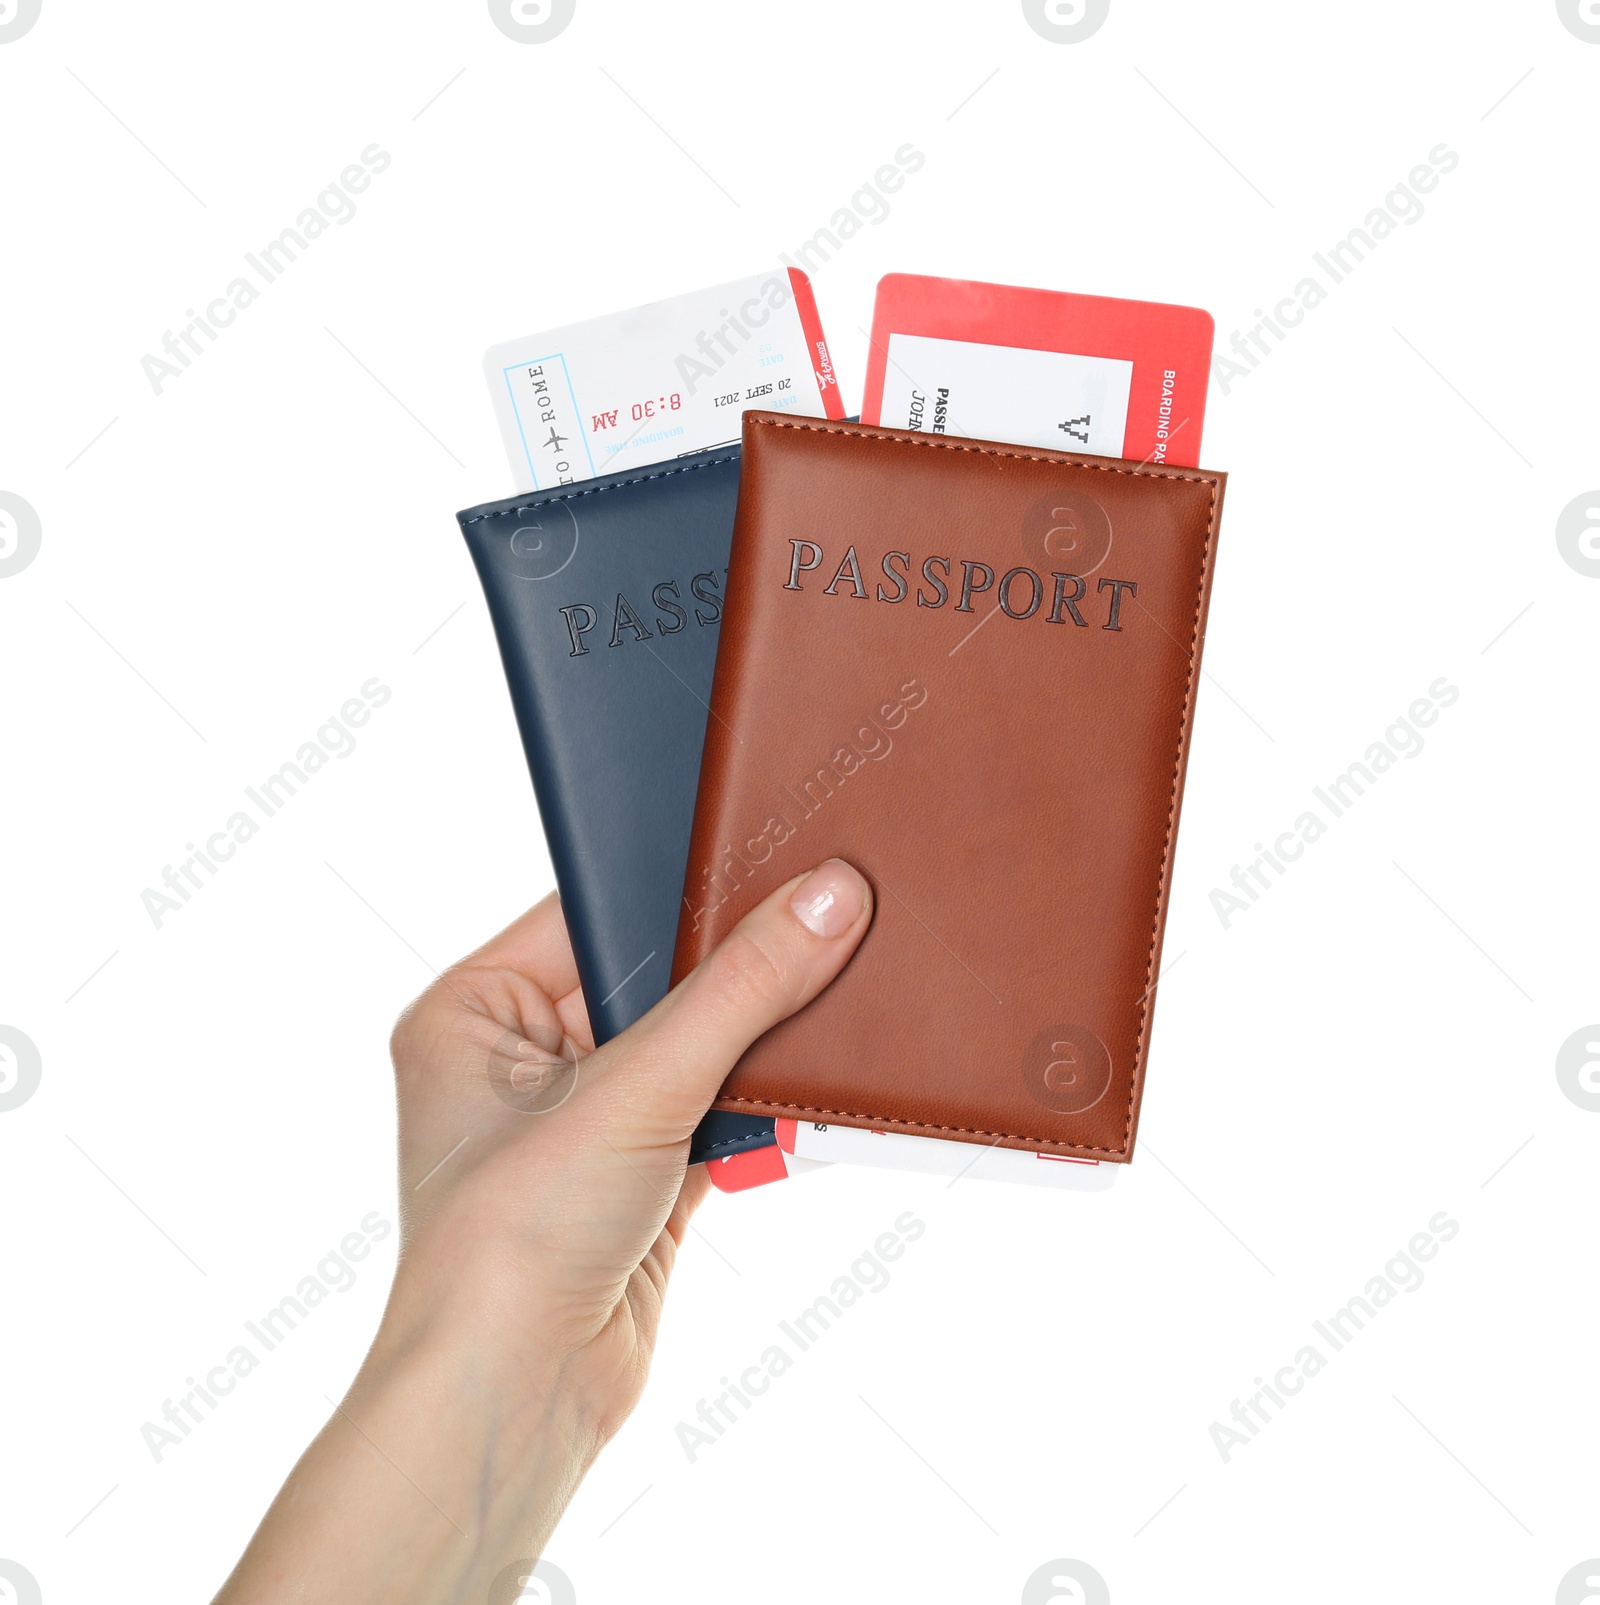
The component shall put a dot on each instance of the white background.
(1373, 1042)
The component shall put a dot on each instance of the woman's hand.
(544, 1191)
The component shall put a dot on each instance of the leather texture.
(606, 599)
(969, 669)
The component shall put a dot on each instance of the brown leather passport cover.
(969, 669)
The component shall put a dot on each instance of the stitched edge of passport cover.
(1215, 482)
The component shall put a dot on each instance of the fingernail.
(830, 899)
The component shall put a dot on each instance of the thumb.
(669, 1065)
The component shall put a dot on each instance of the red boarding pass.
(1079, 373)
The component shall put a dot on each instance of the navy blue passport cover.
(606, 599)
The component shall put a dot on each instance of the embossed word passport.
(970, 669)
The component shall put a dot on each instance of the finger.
(524, 980)
(694, 1192)
(535, 945)
(669, 1065)
(573, 1012)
